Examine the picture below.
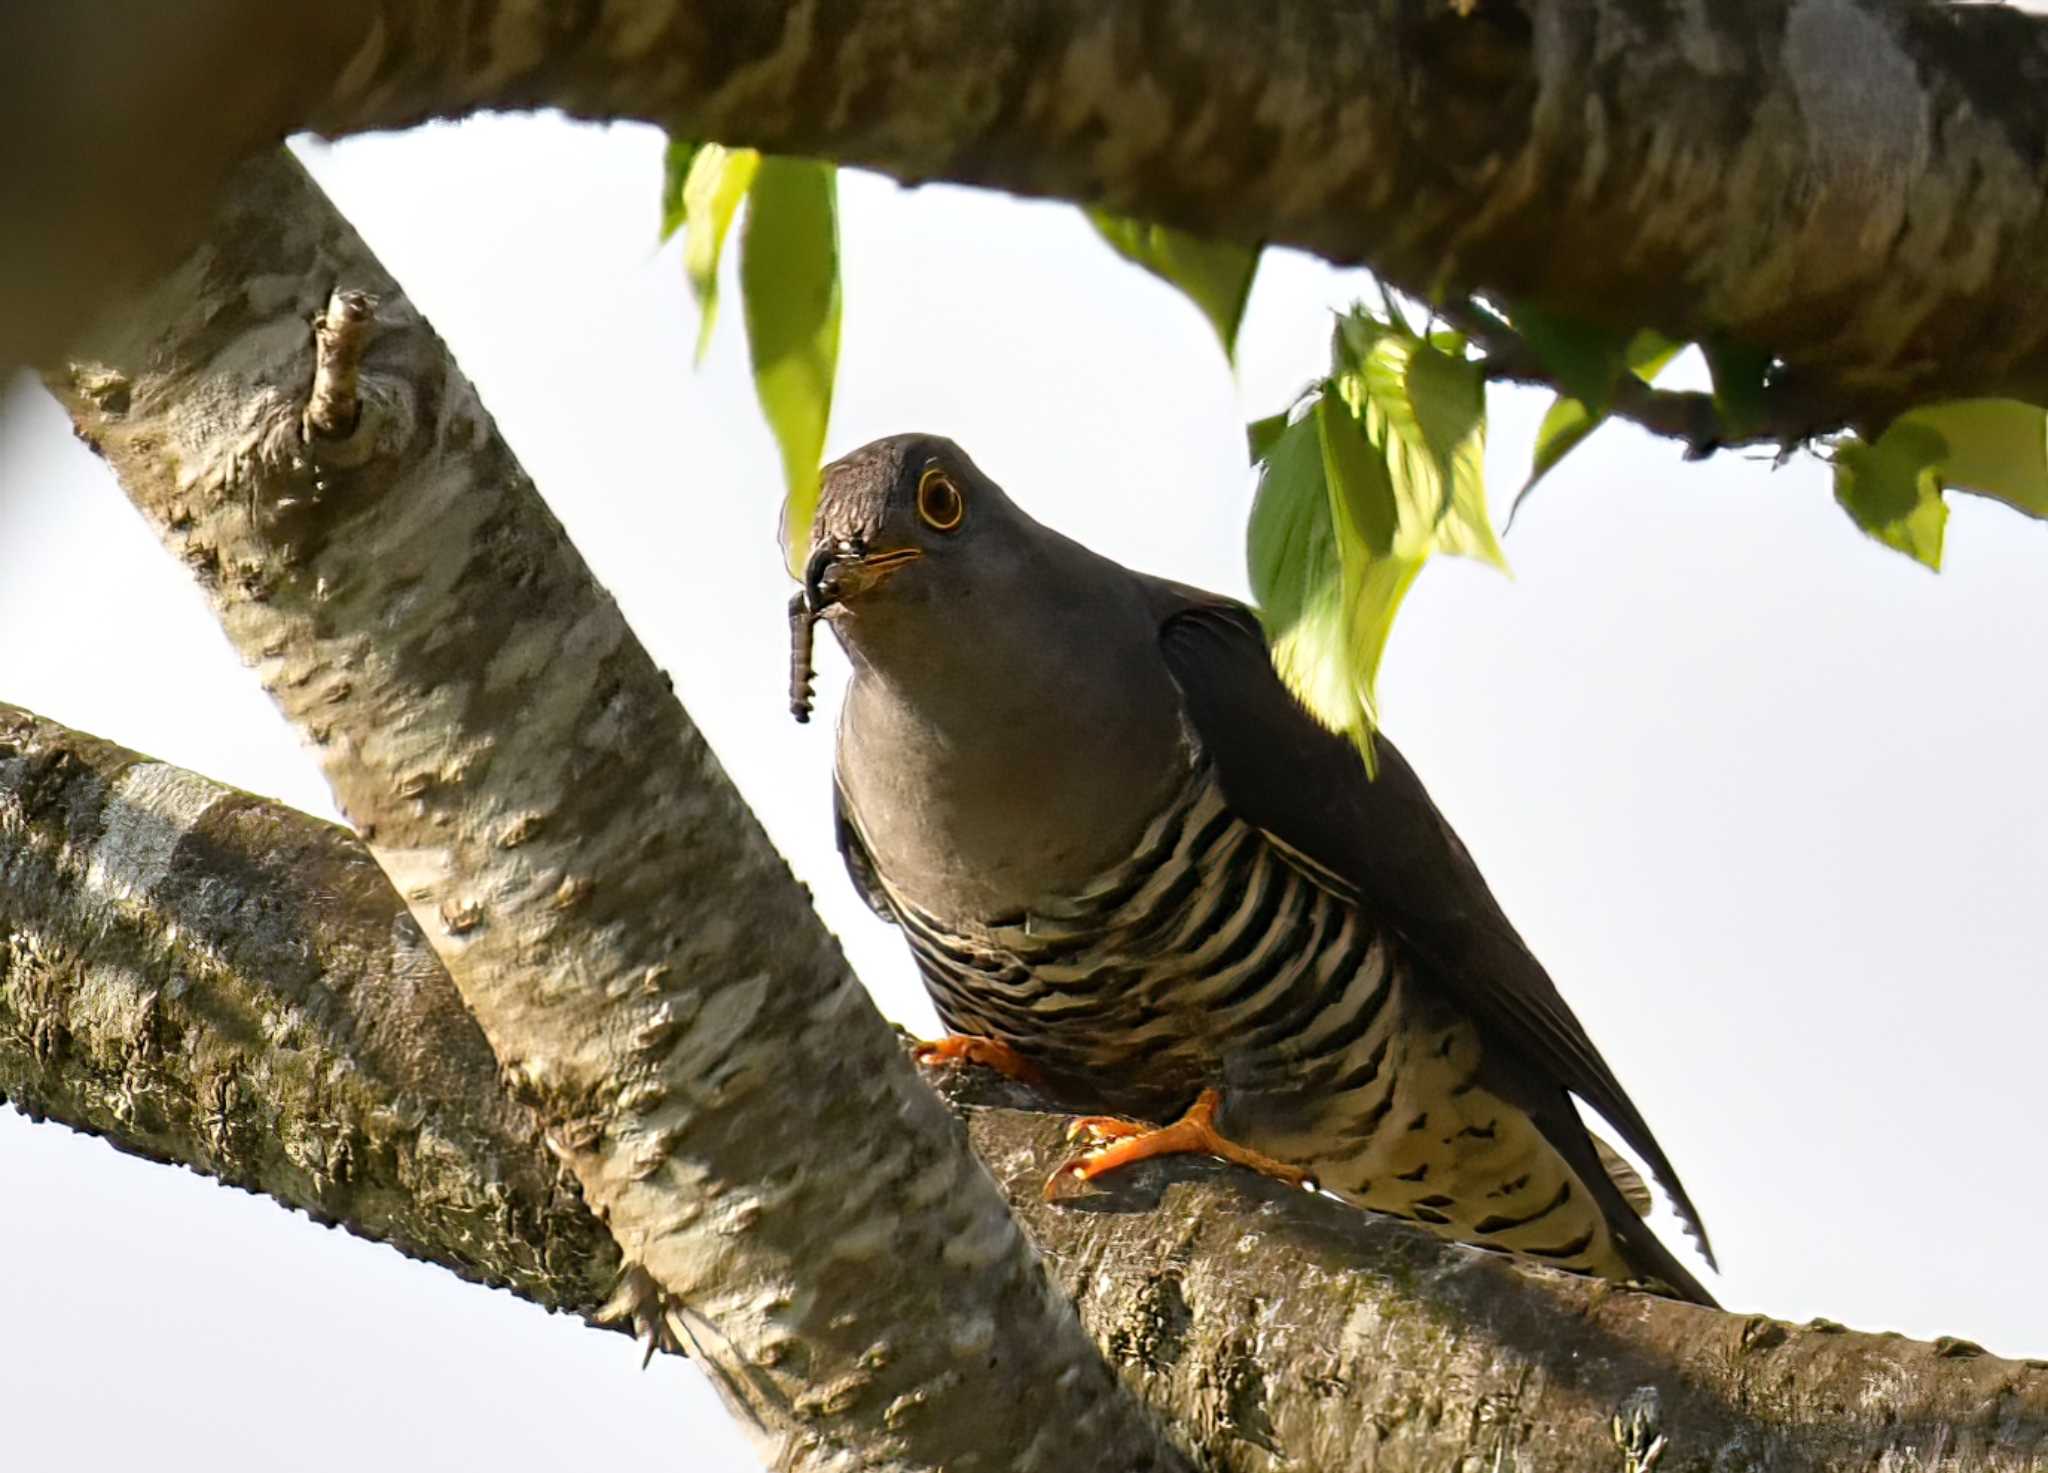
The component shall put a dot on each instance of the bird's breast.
(980, 804)
(1203, 956)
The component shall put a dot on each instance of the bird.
(1131, 867)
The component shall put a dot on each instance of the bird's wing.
(860, 866)
(1385, 842)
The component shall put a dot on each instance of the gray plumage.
(1116, 843)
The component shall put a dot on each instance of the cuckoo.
(1133, 868)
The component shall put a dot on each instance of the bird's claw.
(990, 1053)
(1119, 1143)
(653, 1314)
(1100, 1130)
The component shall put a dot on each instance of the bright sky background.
(1764, 796)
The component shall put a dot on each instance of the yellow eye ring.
(939, 502)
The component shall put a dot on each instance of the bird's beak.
(846, 570)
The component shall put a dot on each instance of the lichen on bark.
(204, 978)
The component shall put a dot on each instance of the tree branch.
(1273, 1328)
(119, 125)
(206, 978)
(1684, 415)
(1294, 1332)
(1854, 185)
(650, 977)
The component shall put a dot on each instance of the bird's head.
(943, 588)
(903, 524)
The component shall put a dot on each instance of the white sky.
(1763, 795)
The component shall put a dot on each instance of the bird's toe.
(990, 1053)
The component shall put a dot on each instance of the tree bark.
(168, 933)
(206, 978)
(1851, 185)
(118, 126)
(651, 979)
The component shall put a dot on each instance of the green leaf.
(1569, 421)
(1989, 447)
(1352, 343)
(1583, 359)
(1448, 340)
(1994, 447)
(1426, 410)
(789, 283)
(1375, 577)
(1261, 434)
(1326, 600)
(718, 180)
(1565, 424)
(675, 168)
(1892, 489)
(1649, 353)
(1739, 374)
(1353, 499)
(1290, 551)
(1215, 275)
(1364, 499)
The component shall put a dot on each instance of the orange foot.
(1121, 1142)
(990, 1053)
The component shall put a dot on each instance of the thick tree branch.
(118, 125)
(1855, 185)
(1274, 1328)
(651, 979)
(207, 978)
(1293, 1332)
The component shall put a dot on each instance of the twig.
(1676, 414)
(340, 334)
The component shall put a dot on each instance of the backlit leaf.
(1892, 489)
(1215, 275)
(1290, 549)
(1353, 498)
(675, 168)
(1326, 600)
(1448, 340)
(1649, 353)
(1426, 411)
(1297, 575)
(1363, 495)
(1376, 573)
(1565, 424)
(1993, 447)
(1568, 421)
(718, 179)
(789, 283)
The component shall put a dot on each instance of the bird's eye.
(939, 501)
